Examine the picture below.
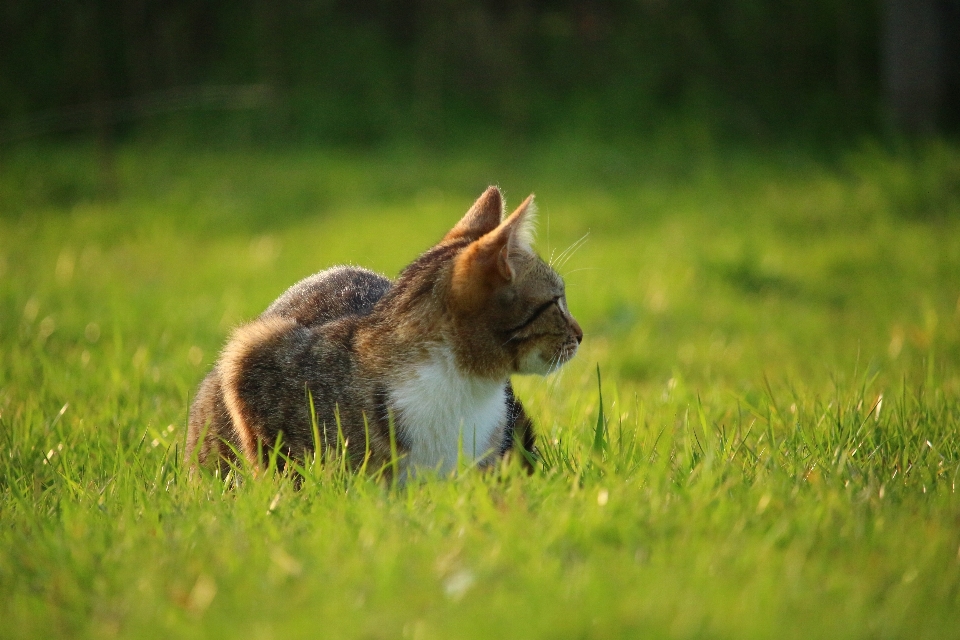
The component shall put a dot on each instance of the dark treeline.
(362, 69)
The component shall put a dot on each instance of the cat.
(429, 356)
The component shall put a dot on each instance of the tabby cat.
(429, 355)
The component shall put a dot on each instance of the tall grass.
(760, 437)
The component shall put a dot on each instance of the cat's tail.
(241, 369)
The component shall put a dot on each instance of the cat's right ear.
(482, 218)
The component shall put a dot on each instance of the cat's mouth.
(564, 354)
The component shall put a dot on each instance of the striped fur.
(431, 353)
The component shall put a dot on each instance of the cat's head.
(507, 306)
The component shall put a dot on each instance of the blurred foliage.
(368, 70)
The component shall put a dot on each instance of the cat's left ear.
(492, 260)
(513, 236)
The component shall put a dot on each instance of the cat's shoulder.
(330, 294)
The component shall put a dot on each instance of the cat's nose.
(577, 331)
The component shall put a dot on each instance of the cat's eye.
(557, 300)
(537, 313)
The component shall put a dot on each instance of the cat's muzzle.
(564, 354)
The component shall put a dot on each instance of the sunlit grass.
(778, 341)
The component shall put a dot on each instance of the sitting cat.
(431, 354)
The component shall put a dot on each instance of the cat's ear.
(482, 218)
(514, 235)
(521, 226)
(492, 259)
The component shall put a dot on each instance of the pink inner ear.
(481, 267)
(503, 263)
(487, 261)
(512, 234)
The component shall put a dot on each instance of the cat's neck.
(444, 413)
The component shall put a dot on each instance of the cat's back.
(329, 295)
(307, 334)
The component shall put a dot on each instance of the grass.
(776, 337)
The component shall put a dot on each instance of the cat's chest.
(438, 408)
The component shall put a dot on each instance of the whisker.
(555, 366)
(574, 246)
(559, 370)
(566, 259)
(552, 382)
(580, 269)
(569, 252)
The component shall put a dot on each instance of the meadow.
(760, 437)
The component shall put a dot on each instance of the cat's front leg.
(520, 438)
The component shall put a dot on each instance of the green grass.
(778, 339)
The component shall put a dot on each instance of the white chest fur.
(438, 408)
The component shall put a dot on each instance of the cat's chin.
(536, 364)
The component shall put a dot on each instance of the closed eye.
(536, 314)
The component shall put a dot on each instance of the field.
(776, 334)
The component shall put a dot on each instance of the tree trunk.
(912, 63)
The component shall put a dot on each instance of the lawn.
(777, 336)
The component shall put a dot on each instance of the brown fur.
(363, 348)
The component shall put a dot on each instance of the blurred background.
(756, 185)
(368, 71)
